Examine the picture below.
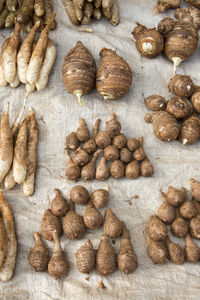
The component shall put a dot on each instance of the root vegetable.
(72, 143)
(120, 141)
(2, 5)
(157, 229)
(163, 5)
(188, 210)
(166, 25)
(49, 223)
(113, 127)
(3, 17)
(155, 102)
(132, 169)
(195, 189)
(193, 2)
(139, 154)
(114, 75)
(181, 85)
(9, 181)
(100, 197)
(92, 217)
(106, 12)
(25, 11)
(82, 133)
(27, 27)
(125, 155)
(7, 268)
(38, 19)
(48, 14)
(107, 3)
(88, 171)
(127, 259)
(90, 145)
(165, 125)
(166, 212)
(97, 3)
(30, 89)
(112, 225)
(73, 172)
(10, 20)
(11, 5)
(157, 250)
(195, 227)
(86, 20)
(78, 13)
(178, 107)
(59, 205)
(88, 9)
(190, 130)
(195, 99)
(97, 13)
(39, 7)
(79, 194)
(79, 71)
(38, 256)
(149, 42)
(179, 226)
(192, 251)
(81, 157)
(176, 252)
(189, 14)
(79, 3)
(146, 168)
(175, 197)
(117, 169)
(58, 265)
(103, 140)
(16, 81)
(115, 18)
(3, 81)
(106, 258)
(102, 170)
(73, 225)
(70, 9)
(3, 242)
(85, 258)
(111, 153)
(133, 144)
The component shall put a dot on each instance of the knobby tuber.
(146, 168)
(157, 229)
(179, 226)
(195, 99)
(100, 197)
(190, 130)
(155, 102)
(125, 155)
(195, 188)
(117, 169)
(132, 169)
(163, 5)
(81, 157)
(178, 107)
(120, 141)
(3, 241)
(193, 2)
(85, 258)
(111, 153)
(48, 12)
(49, 223)
(192, 251)
(157, 250)
(106, 262)
(133, 144)
(88, 171)
(72, 143)
(25, 11)
(70, 9)
(188, 210)
(59, 205)
(139, 154)
(103, 140)
(90, 146)
(176, 252)
(166, 212)
(102, 170)
(166, 25)
(79, 194)
(176, 197)
(181, 85)
(92, 217)
(39, 7)
(190, 14)
(195, 227)
(82, 132)
(112, 225)
(113, 127)
(73, 172)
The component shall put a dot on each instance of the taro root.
(112, 225)
(166, 25)
(79, 194)
(113, 126)
(192, 251)
(132, 169)
(72, 142)
(133, 144)
(114, 75)
(79, 71)
(88, 171)
(100, 197)
(176, 197)
(90, 146)
(59, 205)
(157, 250)
(102, 170)
(188, 210)
(49, 223)
(146, 168)
(92, 217)
(157, 229)
(111, 153)
(166, 212)
(163, 5)
(125, 155)
(181, 85)
(195, 188)
(155, 103)
(81, 157)
(103, 140)
(117, 169)
(120, 141)
(195, 227)
(178, 107)
(73, 172)
(85, 258)
(82, 132)
(176, 252)
(195, 99)
(179, 226)
(190, 14)
(139, 154)
(190, 131)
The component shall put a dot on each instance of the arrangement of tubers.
(27, 13)
(121, 156)
(81, 12)
(181, 216)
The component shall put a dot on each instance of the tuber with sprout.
(114, 75)
(73, 225)
(106, 262)
(79, 194)
(175, 197)
(155, 102)
(39, 7)
(176, 252)
(120, 141)
(166, 25)
(3, 241)
(179, 226)
(88, 171)
(163, 5)
(49, 223)
(58, 265)
(117, 169)
(85, 258)
(165, 125)
(90, 146)
(133, 144)
(81, 157)
(189, 14)
(178, 107)
(72, 143)
(38, 255)
(113, 126)
(132, 169)
(103, 140)
(195, 227)
(195, 189)
(166, 212)
(139, 154)
(59, 205)
(82, 132)
(48, 13)
(192, 251)
(112, 225)
(73, 172)
(157, 250)
(70, 10)
(102, 170)
(100, 197)
(157, 229)
(92, 217)
(127, 259)
(78, 72)
(190, 130)
(111, 153)
(195, 100)
(188, 210)
(181, 85)
(125, 155)
(149, 42)
(180, 43)
(146, 168)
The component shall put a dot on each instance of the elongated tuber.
(176, 252)
(25, 11)
(39, 7)
(38, 255)
(112, 225)
(106, 262)
(190, 131)
(178, 107)
(70, 9)
(59, 205)
(48, 13)
(166, 25)
(72, 142)
(132, 169)
(157, 229)
(117, 169)
(92, 217)
(79, 71)
(82, 132)
(49, 223)
(115, 18)
(181, 85)
(163, 5)
(73, 172)
(3, 241)
(157, 250)
(120, 141)
(155, 102)
(166, 212)
(90, 146)
(192, 251)
(3, 81)
(175, 197)
(81, 157)
(114, 75)
(100, 197)
(111, 153)
(179, 226)
(146, 168)
(58, 265)
(85, 258)
(125, 155)
(195, 188)
(79, 194)
(195, 227)
(103, 140)
(88, 171)
(10, 20)
(195, 99)
(102, 170)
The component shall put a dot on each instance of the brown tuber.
(113, 127)
(73, 172)
(90, 146)
(188, 210)
(38, 256)
(112, 225)
(125, 155)
(49, 223)
(176, 252)
(103, 140)
(166, 25)
(163, 5)
(88, 171)
(195, 188)
(102, 170)
(166, 212)
(92, 217)
(190, 131)
(111, 153)
(176, 197)
(79, 194)
(59, 205)
(181, 85)
(179, 226)
(146, 168)
(117, 169)
(157, 250)
(155, 102)
(196, 3)
(157, 229)
(195, 100)
(195, 227)
(85, 258)
(178, 107)
(132, 169)
(192, 251)
(120, 141)
(190, 14)
(82, 132)
(72, 142)
(139, 154)
(81, 157)
(133, 144)
(100, 197)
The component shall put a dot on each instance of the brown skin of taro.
(125, 155)
(181, 85)
(157, 229)
(120, 141)
(117, 169)
(195, 189)
(190, 131)
(146, 168)
(133, 144)
(132, 170)
(100, 198)
(102, 140)
(188, 210)
(111, 153)
(178, 107)
(195, 100)
(155, 103)
(72, 142)
(166, 25)
(79, 194)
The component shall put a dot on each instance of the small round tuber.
(59, 205)
(157, 229)
(73, 172)
(166, 212)
(133, 144)
(90, 146)
(192, 251)
(195, 188)
(49, 223)
(100, 197)
(120, 141)
(125, 155)
(176, 252)
(72, 142)
(85, 258)
(155, 103)
(157, 250)
(195, 99)
(81, 157)
(195, 227)
(139, 154)
(146, 168)
(92, 217)
(113, 127)
(103, 140)
(79, 194)
(179, 226)
(178, 107)
(117, 169)
(166, 25)
(111, 153)
(112, 225)
(190, 131)
(82, 132)
(132, 169)
(188, 210)
(181, 85)
(88, 171)
(102, 170)
(176, 197)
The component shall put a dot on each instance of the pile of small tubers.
(27, 13)
(29, 63)
(121, 156)
(80, 12)
(113, 77)
(177, 112)
(104, 259)
(182, 216)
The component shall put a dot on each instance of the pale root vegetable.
(163, 5)
(146, 168)
(73, 172)
(49, 223)
(103, 140)
(114, 75)
(100, 197)
(72, 142)
(195, 227)
(82, 132)
(79, 3)
(97, 13)
(195, 100)
(38, 19)
(181, 85)
(88, 171)
(132, 169)
(127, 259)
(49, 60)
(155, 102)
(102, 170)
(79, 194)
(120, 141)
(176, 252)
(38, 54)
(39, 7)
(3, 17)
(38, 255)
(3, 81)
(157, 250)
(3, 241)
(188, 210)
(15, 82)
(157, 229)
(92, 217)
(7, 268)
(178, 107)
(166, 212)
(111, 153)
(24, 54)
(190, 130)
(79, 71)
(179, 227)
(81, 157)
(166, 25)
(106, 12)
(125, 155)
(192, 251)
(59, 205)
(29, 183)
(78, 13)
(9, 181)
(85, 258)
(112, 225)
(133, 144)
(30, 88)
(25, 11)
(18, 119)
(106, 262)
(195, 189)
(117, 169)
(58, 265)
(48, 13)
(88, 9)
(90, 146)
(70, 9)
(140, 154)
(176, 197)
(115, 18)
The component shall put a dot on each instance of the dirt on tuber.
(120, 141)
(192, 251)
(157, 229)
(166, 212)
(111, 153)
(166, 25)
(73, 172)
(163, 5)
(117, 169)
(132, 170)
(195, 100)
(125, 155)
(195, 189)
(88, 171)
(190, 130)
(195, 227)
(146, 168)
(113, 127)
(176, 252)
(181, 85)
(72, 143)
(103, 140)
(179, 226)
(81, 157)
(82, 132)
(178, 107)
(176, 197)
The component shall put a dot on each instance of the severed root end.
(176, 61)
(185, 142)
(79, 95)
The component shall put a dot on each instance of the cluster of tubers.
(74, 226)
(29, 63)
(27, 13)
(176, 118)
(121, 156)
(113, 77)
(80, 12)
(182, 216)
